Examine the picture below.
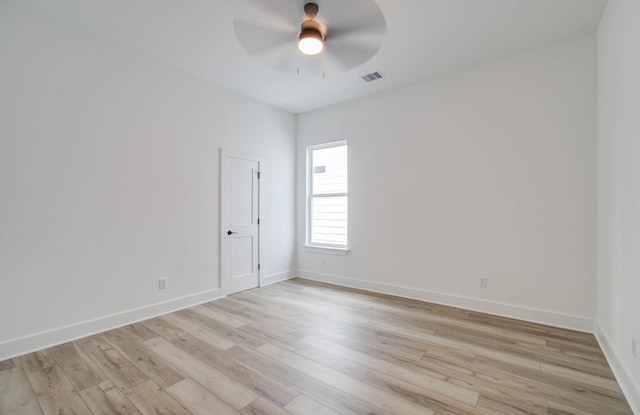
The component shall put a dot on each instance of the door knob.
(229, 233)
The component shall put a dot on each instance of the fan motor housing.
(310, 28)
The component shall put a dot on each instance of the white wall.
(109, 180)
(619, 191)
(489, 171)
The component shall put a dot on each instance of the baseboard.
(39, 341)
(273, 278)
(629, 387)
(550, 318)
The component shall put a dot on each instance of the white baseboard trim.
(629, 387)
(54, 337)
(550, 318)
(273, 278)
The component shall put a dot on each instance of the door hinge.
(258, 267)
(258, 221)
(258, 175)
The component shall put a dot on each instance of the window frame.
(310, 246)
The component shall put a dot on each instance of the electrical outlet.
(634, 347)
(483, 282)
(162, 283)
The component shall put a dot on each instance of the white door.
(240, 212)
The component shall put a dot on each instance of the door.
(240, 213)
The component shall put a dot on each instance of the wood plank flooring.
(303, 348)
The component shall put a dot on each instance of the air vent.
(374, 76)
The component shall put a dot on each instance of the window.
(327, 204)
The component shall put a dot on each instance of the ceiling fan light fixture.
(311, 38)
(310, 41)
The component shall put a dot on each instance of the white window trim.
(319, 249)
(314, 247)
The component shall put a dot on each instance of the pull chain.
(323, 63)
(298, 63)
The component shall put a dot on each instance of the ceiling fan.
(299, 37)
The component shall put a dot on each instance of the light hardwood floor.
(305, 348)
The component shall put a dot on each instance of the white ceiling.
(424, 38)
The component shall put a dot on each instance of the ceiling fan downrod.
(311, 10)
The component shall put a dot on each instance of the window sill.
(326, 250)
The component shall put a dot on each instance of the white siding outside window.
(327, 207)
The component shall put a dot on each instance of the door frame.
(225, 156)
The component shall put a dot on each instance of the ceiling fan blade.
(352, 15)
(344, 58)
(258, 38)
(356, 31)
(350, 48)
(280, 13)
(370, 42)
(283, 58)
